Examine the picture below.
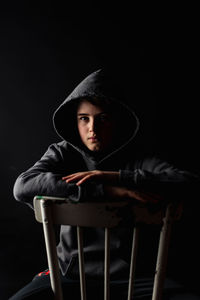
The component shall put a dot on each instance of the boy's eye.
(104, 117)
(83, 118)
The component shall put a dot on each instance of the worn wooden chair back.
(53, 210)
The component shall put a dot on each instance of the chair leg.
(81, 263)
(50, 242)
(107, 265)
(162, 255)
(133, 262)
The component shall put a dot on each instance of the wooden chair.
(53, 210)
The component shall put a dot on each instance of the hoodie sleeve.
(45, 178)
(154, 174)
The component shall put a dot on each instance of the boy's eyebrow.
(85, 114)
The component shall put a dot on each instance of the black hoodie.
(70, 156)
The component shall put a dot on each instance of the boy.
(96, 160)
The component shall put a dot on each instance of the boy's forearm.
(27, 187)
(111, 177)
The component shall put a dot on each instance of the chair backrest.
(53, 210)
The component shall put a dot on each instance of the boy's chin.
(95, 149)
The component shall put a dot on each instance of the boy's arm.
(45, 178)
(111, 186)
(152, 178)
(158, 175)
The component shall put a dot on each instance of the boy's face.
(95, 126)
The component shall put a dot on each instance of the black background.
(43, 56)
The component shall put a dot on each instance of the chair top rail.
(98, 214)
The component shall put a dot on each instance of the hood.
(100, 84)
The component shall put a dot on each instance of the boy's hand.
(103, 176)
(126, 193)
(111, 179)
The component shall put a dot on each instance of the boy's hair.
(104, 103)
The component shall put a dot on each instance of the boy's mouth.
(93, 138)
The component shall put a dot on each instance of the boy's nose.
(93, 126)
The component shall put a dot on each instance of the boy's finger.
(68, 176)
(86, 178)
(79, 174)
